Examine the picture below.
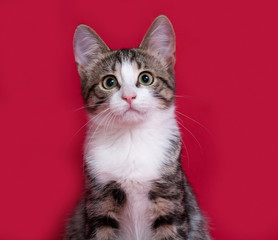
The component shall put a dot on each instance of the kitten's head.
(127, 85)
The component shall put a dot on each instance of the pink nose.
(129, 98)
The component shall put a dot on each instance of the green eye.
(109, 82)
(145, 78)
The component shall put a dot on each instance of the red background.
(226, 68)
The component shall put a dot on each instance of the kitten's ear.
(87, 45)
(160, 40)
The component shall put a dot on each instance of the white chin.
(132, 117)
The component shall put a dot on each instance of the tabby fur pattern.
(135, 185)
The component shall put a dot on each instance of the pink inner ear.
(80, 57)
(160, 39)
(85, 48)
(87, 45)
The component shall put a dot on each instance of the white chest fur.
(132, 157)
(136, 220)
(135, 153)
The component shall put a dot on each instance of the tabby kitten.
(135, 186)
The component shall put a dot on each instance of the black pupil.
(110, 82)
(145, 78)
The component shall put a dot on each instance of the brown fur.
(95, 96)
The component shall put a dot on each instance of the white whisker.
(83, 107)
(82, 127)
(94, 119)
(195, 121)
(191, 134)
(106, 125)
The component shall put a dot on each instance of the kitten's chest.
(136, 217)
(132, 155)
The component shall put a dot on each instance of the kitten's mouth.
(132, 109)
(132, 115)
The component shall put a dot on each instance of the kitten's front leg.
(102, 207)
(170, 218)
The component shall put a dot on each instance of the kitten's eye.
(145, 78)
(109, 82)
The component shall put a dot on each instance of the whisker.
(95, 131)
(111, 122)
(82, 127)
(100, 123)
(106, 125)
(180, 96)
(90, 120)
(83, 107)
(87, 106)
(195, 121)
(94, 119)
(191, 135)
(186, 150)
(99, 115)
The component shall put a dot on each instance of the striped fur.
(135, 186)
(94, 95)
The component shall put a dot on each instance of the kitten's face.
(127, 86)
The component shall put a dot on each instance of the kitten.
(135, 186)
